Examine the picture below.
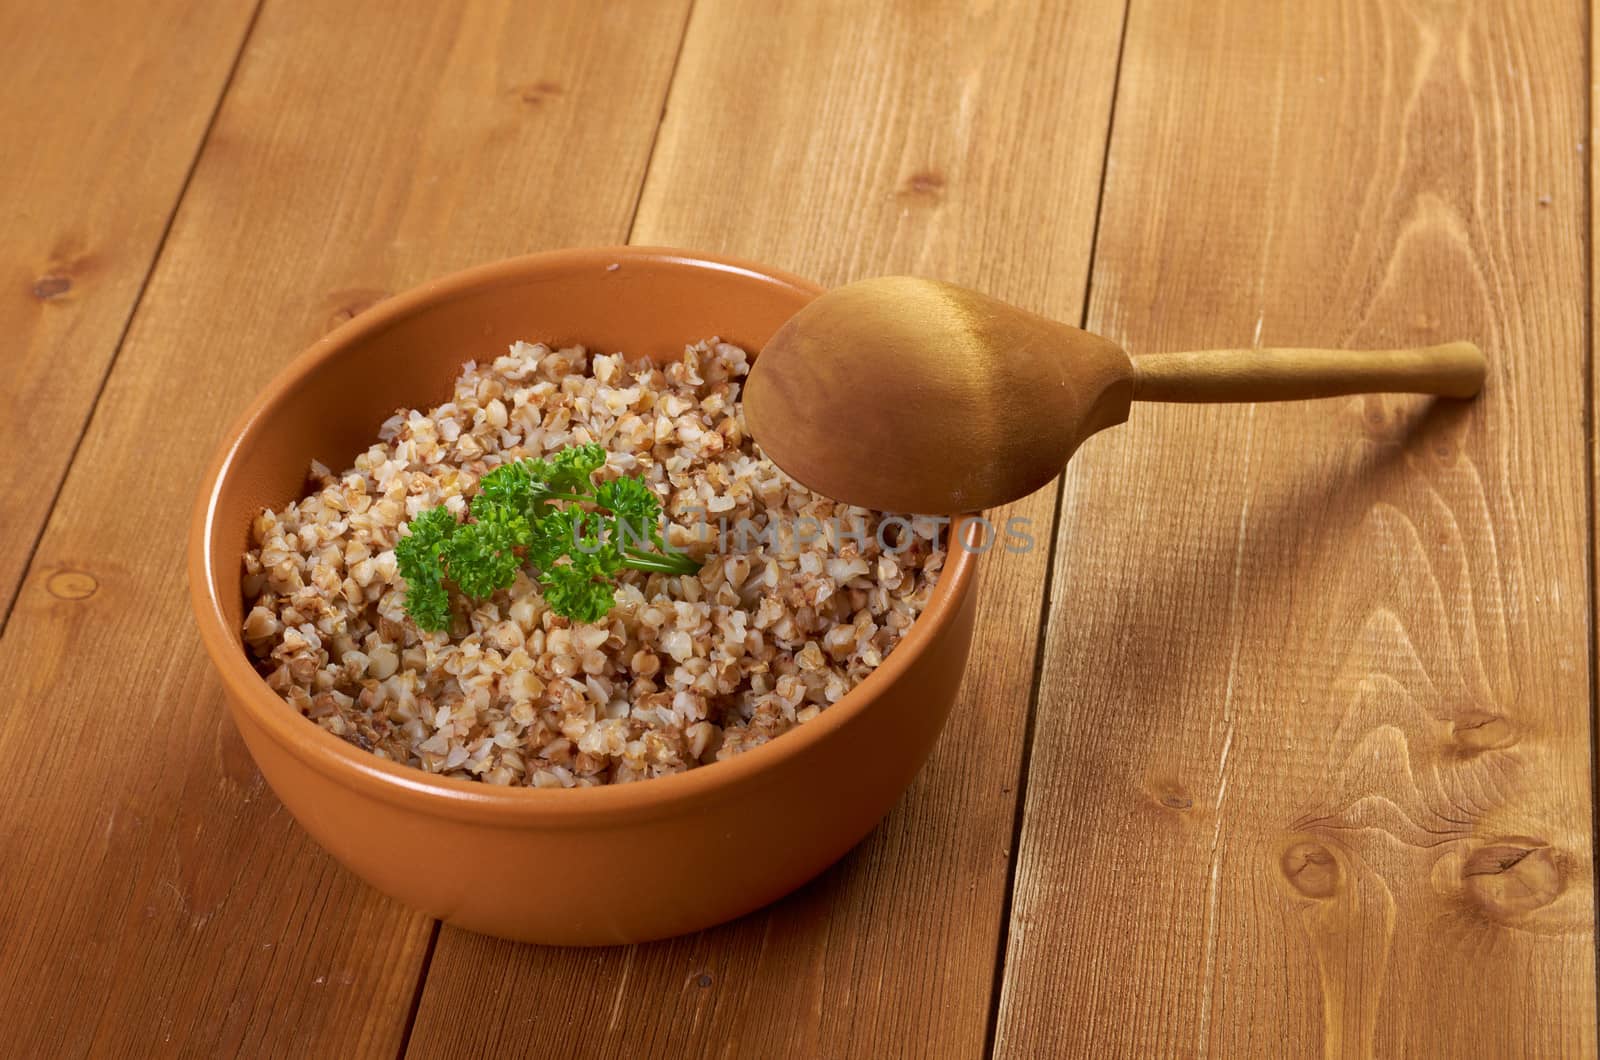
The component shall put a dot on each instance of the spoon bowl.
(913, 395)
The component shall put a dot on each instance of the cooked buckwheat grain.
(783, 619)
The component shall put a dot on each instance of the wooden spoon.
(912, 395)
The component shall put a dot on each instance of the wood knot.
(51, 286)
(1506, 879)
(1475, 731)
(1311, 869)
(1172, 797)
(1373, 413)
(702, 980)
(352, 303)
(539, 91)
(926, 185)
(71, 585)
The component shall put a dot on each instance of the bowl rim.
(476, 801)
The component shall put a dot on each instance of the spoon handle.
(1454, 369)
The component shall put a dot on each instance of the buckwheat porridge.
(797, 598)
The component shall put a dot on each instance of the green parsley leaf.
(569, 470)
(578, 589)
(482, 556)
(417, 556)
(547, 515)
(635, 511)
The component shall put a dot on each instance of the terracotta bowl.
(586, 866)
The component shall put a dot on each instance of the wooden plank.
(840, 143)
(1311, 769)
(155, 896)
(102, 110)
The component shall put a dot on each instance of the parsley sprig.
(546, 515)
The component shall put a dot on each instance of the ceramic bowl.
(585, 866)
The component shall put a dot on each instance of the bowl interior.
(406, 353)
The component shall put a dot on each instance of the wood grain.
(841, 143)
(154, 897)
(102, 110)
(1311, 771)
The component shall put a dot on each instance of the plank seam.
(661, 119)
(127, 323)
(1589, 480)
(1041, 640)
(416, 992)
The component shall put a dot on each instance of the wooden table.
(1280, 743)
